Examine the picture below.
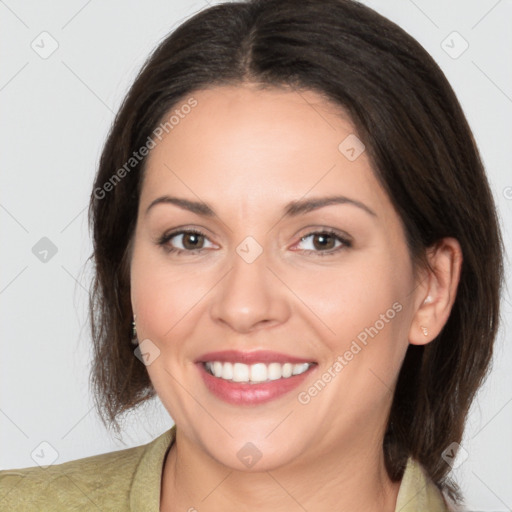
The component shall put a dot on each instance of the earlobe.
(438, 291)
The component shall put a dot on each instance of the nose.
(250, 296)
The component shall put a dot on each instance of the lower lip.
(242, 393)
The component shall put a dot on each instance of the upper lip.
(258, 356)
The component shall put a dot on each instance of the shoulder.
(99, 482)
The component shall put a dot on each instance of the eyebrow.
(292, 209)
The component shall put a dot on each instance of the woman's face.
(263, 275)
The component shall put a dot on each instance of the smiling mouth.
(255, 373)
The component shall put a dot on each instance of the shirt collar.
(417, 492)
(147, 480)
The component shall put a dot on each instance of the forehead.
(250, 145)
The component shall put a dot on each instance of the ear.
(435, 296)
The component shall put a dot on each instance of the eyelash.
(163, 241)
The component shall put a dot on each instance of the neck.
(355, 481)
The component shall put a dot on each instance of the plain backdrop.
(56, 111)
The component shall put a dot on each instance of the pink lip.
(243, 393)
(258, 356)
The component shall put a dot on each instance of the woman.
(291, 224)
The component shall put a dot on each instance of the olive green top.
(130, 480)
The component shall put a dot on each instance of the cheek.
(162, 294)
(351, 296)
(366, 311)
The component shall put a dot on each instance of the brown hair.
(422, 151)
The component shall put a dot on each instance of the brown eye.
(190, 241)
(324, 243)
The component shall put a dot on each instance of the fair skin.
(246, 153)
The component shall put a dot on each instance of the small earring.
(428, 300)
(425, 330)
(135, 341)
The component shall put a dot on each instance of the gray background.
(56, 112)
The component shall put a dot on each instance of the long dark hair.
(423, 153)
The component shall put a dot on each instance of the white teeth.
(274, 371)
(287, 370)
(240, 372)
(217, 369)
(259, 372)
(227, 371)
(300, 368)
